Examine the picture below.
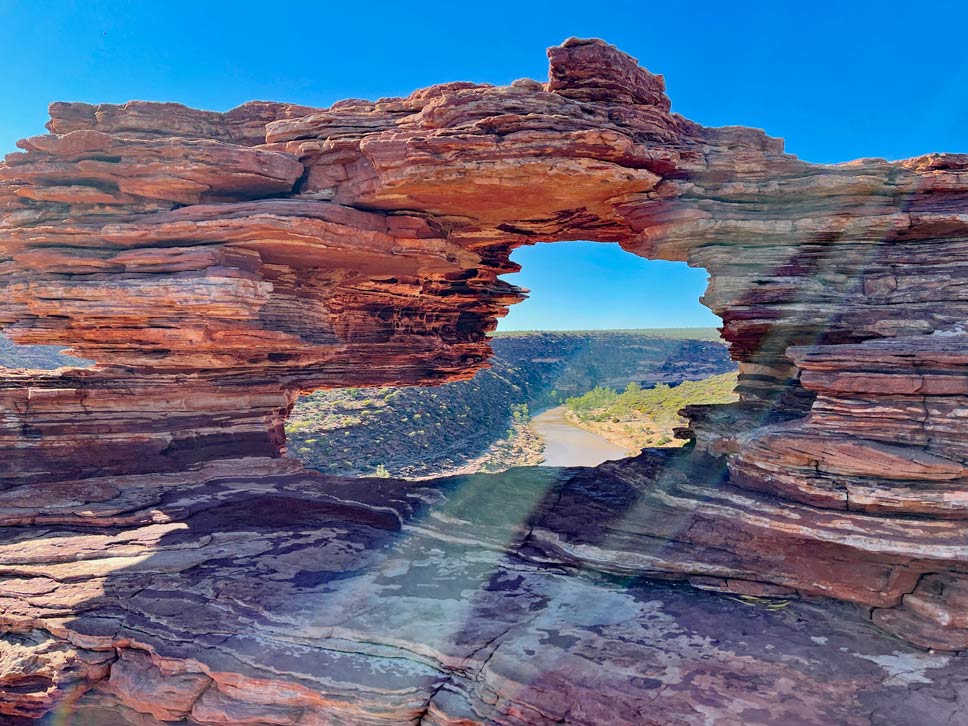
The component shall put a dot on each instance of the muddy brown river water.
(568, 445)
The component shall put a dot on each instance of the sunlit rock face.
(216, 265)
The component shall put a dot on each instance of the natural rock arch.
(217, 264)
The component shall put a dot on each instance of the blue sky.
(588, 285)
(837, 80)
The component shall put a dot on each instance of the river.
(568, 445)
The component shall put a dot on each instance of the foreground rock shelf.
(215, 265)
(287, 598)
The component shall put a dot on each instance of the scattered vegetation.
(484, 423)
(638, 417)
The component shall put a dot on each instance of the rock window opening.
(594, 365)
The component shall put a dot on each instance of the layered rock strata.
(282, 597)
(216, 265)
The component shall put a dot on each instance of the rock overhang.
(217, 264)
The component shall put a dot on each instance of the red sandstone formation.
(215, 265)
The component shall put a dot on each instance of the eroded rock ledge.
(283, 597)
(215, 265)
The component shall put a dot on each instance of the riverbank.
(522, 446)
(639, 417)
(632, 434)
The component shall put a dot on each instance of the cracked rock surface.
(289, 598)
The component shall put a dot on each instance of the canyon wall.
(423, 431)
(215, 265)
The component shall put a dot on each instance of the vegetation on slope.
(639, 417)
(481, 424)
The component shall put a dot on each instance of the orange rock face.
(215, 265)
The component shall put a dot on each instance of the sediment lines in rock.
(284, 597)
(215, 265)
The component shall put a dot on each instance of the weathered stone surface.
(215, 265)
(289, 598)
